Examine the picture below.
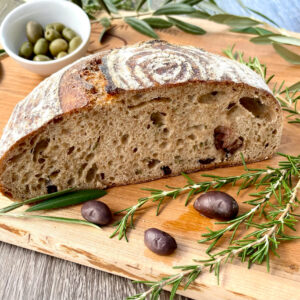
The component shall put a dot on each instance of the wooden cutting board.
(92, 247)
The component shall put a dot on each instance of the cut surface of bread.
(113, 123)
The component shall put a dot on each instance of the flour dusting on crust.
(157, 63)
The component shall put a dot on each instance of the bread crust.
(72, 89)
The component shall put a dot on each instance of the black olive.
(159, 241)
(166, 170)
(217, 205)
(96, 212)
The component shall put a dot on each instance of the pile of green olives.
(52, 42)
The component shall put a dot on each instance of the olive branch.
(146, 19)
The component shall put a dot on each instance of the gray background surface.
(25, 274)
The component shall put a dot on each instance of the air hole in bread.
(124, 139)
(231, 105)
(41, 160)
(39, 148)
(158, 118)
(192, 137)
(71, 182)
(90, 156)
(90, 175)
(144, 103)
(152, 163)
(209, 98)
(256, 108)
(54, 174)
(70, 150)
(81, 169)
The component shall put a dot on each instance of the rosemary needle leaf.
(69, 199)
(34, 200)
(52, 218)
(141, 26)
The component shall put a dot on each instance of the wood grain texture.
(93, 248)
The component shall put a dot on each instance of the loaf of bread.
(135, 114)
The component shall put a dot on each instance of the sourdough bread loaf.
(135, 114)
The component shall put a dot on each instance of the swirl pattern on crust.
(158, 63)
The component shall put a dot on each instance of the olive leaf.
(108, 6)
(186, 27)
(211, 6)
(199, 14)
(234, 21)
(52, 218)
(72, 198)
(105, 22)
(36, 199)
(140, 5)
(191, 2)
(286, 54)
(263, 16)
(141, 26)
(252, 30)
(285, 40)
(158, 23)
(174, 9)
(263, 39)
(294, 87)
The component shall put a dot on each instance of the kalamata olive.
(41, 57)
(34, 31)
(57, 46)
(68, 33)
(159, 241)
(217, 205)
(61, 54)
(41, 46)
(74, 43)
(57, 26)
(52, 34)
(26, 50)
(96, 212)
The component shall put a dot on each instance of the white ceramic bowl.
(13, 31)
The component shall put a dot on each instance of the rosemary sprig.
(288, 96)
(258, 177)
(255, 247)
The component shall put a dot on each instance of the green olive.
(68, 34)
(26, 50)
(34, 31)
(52, 34)
(57, 46)
(41, 46)
(41, 57)
(61, 54)
(74, 43)
(57, 26)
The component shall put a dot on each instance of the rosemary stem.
(234, 252)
